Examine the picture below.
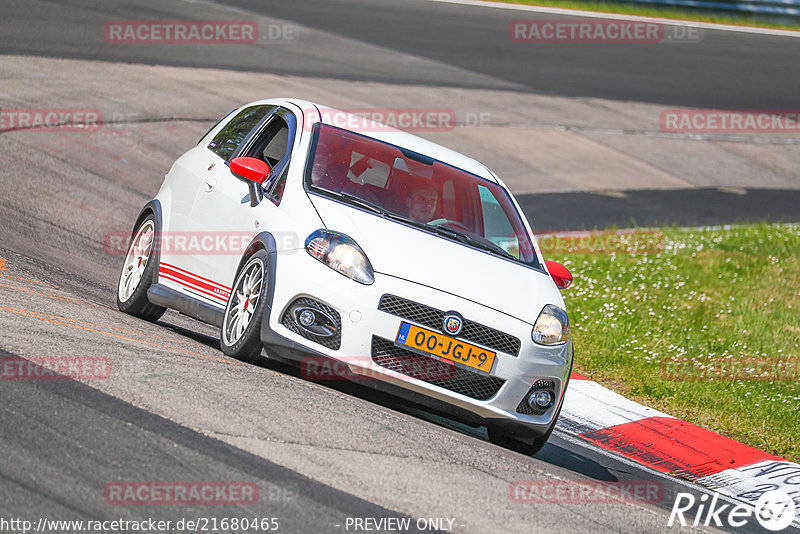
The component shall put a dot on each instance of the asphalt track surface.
(680, 207)
(177, 409)
(724, 71)
(443, 45)
(77, 437)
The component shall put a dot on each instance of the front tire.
(240, 334)
(527, 446)
(136, 276)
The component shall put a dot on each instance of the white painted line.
(588, 406)
(748, 483)
(614, 16)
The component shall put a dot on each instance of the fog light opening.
(314, 321)
(541, 399)
(307, 318)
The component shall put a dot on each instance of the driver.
(421, 202)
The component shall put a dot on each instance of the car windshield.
(422, 191)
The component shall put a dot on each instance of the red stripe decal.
(184, 271)
(667, 444)
(192, 280)
(181, 282)
(184, 279)
(576, 376)
(222, 293)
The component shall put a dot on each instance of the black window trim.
(250, 138)
(215, 125)
(280, 170)
(234, 152)
(249, 141)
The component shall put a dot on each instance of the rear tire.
(136, 276)
(240, 333)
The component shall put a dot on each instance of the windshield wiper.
(422, 226)
(361, 202)
(353, 199)
(438, 230)
(488, 246)
(492, 248)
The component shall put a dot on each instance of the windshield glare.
(419, 189)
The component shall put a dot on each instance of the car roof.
(312, 113)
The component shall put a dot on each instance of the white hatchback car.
(370, 248)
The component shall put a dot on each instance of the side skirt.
(162, 295)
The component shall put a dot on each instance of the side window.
(273, 143)
(233, 133)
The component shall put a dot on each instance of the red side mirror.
(252, 169)
(560, 275)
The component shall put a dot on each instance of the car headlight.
(341, 254)
(551, 327)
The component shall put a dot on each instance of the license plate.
(444, 347)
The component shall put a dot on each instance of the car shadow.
(205, 339)
(556, 452)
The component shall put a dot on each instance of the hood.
(405, 252)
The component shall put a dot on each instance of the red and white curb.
(672, 446)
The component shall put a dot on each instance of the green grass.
(707, 329)
(652, 11)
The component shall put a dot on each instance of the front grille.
(433, 318)
(331, 342)
(543, 383)
(388, 355)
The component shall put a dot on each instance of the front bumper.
(368, 334)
